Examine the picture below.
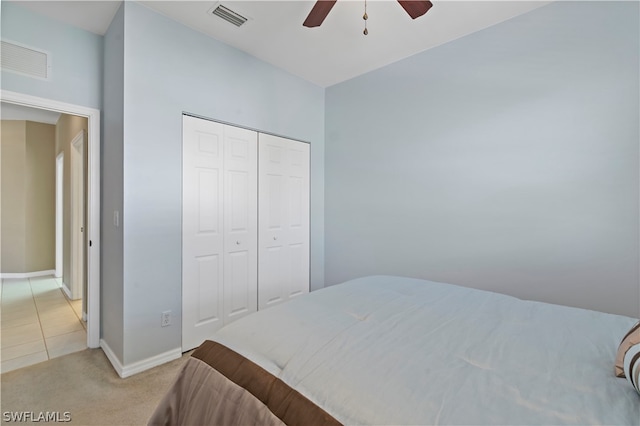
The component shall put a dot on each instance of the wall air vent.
(24, 60)
(228, 15)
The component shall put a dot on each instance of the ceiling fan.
(321, 9)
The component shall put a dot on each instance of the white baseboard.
(66, 290)
(28, 274)
(113, 359)
(140, 366)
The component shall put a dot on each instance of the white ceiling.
(329, 54)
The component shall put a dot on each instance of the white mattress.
(390, 350)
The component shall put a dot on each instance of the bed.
(402, 351)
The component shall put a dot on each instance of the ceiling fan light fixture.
(414, 8)
(321, 8)
(365, 17)
(319, 11)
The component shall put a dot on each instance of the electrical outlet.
(166, 319)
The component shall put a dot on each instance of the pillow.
(630, 339)
(632, 366)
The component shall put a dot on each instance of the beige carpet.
(85, 385)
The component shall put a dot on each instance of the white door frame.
(59, 208)
(77, 216)
(93, 198)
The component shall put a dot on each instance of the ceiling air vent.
(24, 60)
(228, 15)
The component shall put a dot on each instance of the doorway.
(91, 227)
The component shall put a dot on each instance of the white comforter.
(400, 351)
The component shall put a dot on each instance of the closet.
(245, 224)
(283, 250)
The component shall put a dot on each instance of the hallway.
(38, 322)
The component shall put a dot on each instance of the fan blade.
(415, 8)
(320, 11)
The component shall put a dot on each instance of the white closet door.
(240, 222)
(202, 230)
(283, 222)
(219, 227)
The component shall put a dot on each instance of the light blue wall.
(154, 70)
(506, 160)
(76, 58)
(169, 69)
(111, 284)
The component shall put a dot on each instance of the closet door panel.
(240, 222)
(239, 289)
(202, 230)
(283, 258)
(272, 265)
(298, 208)
(208, 288)
(273, 272)
(299, 270)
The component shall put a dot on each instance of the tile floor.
(38, 322)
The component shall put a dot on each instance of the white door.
(59, 212)
(219, 221)
(77, 217)
(240, 222)
(202, 232)
(283, 222)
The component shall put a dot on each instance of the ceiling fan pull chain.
(365, 17)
